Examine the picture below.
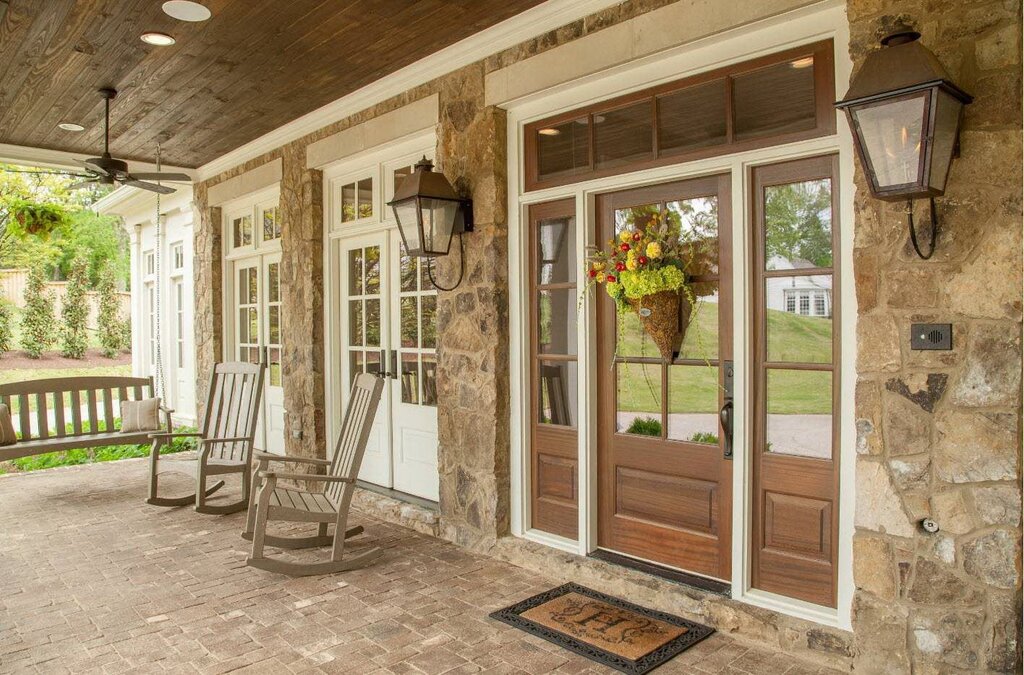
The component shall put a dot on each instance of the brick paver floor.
(94, 580)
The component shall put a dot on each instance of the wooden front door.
(665, 481)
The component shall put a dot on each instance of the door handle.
(382, 369)
(393, 372)
(725, 417)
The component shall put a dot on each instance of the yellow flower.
(598, 266)
(631, 263)
(654, 250)
(625, 236)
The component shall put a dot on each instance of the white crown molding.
(531, 23)
(126, 201)
(60, 159)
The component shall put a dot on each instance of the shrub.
(704, 437)
(106, 453)
(645, 426)
(111, 326)
(75, 313)
(6, 326)
(37, 324)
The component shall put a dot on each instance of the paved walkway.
(94, 580)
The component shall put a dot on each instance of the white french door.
(257, 318)
(387, 308)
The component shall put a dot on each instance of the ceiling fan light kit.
(186, 10)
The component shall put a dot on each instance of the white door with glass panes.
(254, 287)
(389, 317)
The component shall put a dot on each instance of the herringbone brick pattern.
(92, 580)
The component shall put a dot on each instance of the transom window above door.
(357, 200)
(770, 100)
(254, 224)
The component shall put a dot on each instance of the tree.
(37, 324)
(798, 222)
(111, 325)
(75, 313)
(6, 326)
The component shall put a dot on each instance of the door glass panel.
(636, 217)
(355, 322)
(799, 413)
(556, 384)
(693, 396)
(798, 225)
(274, 324)
(254, 289)
(408, 271)
(274, 369)
(778, 99)
(562, 149)
(556, 250)
(242, 227)
(372, 270)
(355, 365)
(348, 202)
(429, 368)
(364, 191)
(428, 321)
(355, 271)
(799, 318)
(243, 326)
(557, 321)
(624, 135)
(372, 323)
(632, 339)
(692, 118)
(372, 361)
(410, 338)
(701, 338)
(274, 282)
(638, 398)
(697, 220)
(410, 378)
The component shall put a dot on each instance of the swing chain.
(158, 310)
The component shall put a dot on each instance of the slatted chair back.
(355, 431)
(232, 408)
(70, 406)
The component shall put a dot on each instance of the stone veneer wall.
(939, 432)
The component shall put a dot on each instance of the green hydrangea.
(635, 285)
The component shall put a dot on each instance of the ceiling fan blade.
(45, 172)
(95, 168)
(152, 187)
(83, 184)
(177, 177)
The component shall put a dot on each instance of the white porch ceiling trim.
(531, 23)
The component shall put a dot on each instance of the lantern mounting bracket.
(913, 230)
(462, 266)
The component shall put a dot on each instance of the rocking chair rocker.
(226, 441)
(329, 504)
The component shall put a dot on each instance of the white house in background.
(808, 296)
(161, 270)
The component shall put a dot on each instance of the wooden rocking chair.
(225, 442)
(327, 505)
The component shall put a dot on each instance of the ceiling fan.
(107, 170)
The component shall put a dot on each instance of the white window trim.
(808, 25)
(249, 205)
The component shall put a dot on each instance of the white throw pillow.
(7, 436)
(143, 415)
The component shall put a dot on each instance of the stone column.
(302, 288)
(207, 270)
(938, 433)
(473, 390)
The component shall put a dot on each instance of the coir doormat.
(613, 632)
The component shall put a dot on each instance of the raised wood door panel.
(795, 379)
(554, 455)
(665, 487)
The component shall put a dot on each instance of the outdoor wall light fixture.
(429, 212)
(905, 115)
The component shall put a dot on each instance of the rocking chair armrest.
(271, 457)
(232, 439)
(306, 476)
(176, 434)
(165, 409)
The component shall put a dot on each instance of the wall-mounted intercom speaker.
(931, 336)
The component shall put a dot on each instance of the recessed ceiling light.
(805, 62)
(158, 39)
(550, 131)
(70, 126)
(186, 10)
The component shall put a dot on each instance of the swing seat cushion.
(141, 415)
(7, 435)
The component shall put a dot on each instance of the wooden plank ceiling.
(256, 65)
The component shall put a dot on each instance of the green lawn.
(694, 389)
(26, 374)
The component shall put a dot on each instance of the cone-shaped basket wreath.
(664, 316)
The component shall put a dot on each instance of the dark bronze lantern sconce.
(429, 212)
(905, 115)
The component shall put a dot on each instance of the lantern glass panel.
(944, 134)
(890, 134)
(438, 224)
(406, 213)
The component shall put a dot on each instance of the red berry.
(611, 278)
(593, 273)
(620, 266)
(625, 247)
(642, 260)
(636, 236)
